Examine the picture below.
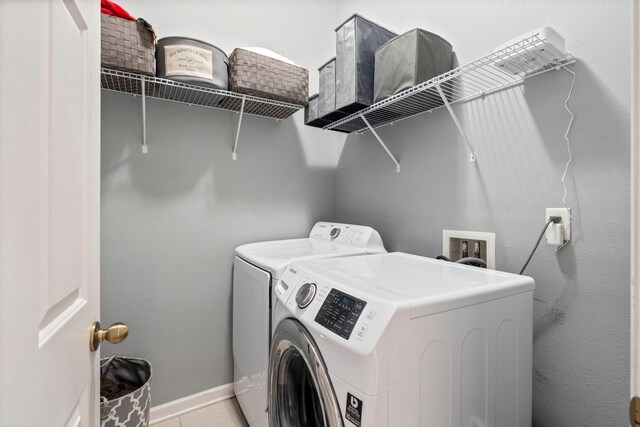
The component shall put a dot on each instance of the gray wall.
(171, 218)
(581, 329)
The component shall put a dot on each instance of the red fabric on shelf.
(110, 8)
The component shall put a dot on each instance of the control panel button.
(305, 294)
(335, 232)
(281, 288)
(371, 314)
(361, 332)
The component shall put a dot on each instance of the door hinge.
(634, 411)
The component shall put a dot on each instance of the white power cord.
(554, 219)
(566, 138)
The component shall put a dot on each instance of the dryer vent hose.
(476, 262)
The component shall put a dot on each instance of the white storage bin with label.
(192, 61)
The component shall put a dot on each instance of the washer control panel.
(340, 312)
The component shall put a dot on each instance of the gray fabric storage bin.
(410, 59)
(311, 117)
(327, 95)
(357, 40)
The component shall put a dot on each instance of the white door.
(635, 219)
(49, 211)
(635, 212)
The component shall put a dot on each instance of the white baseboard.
(190, 403)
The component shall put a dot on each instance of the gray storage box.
(311, 117)
(327, 96)
(259, 75)
(127, 46)
(410, 59)
(192, 61)
(357, 40)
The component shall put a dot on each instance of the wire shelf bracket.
(145, 148)
(373, 131)
(472, 150)
(234, 153)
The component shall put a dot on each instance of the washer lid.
(427, 285)
(325, 240)
(275, 256)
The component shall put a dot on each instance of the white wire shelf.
(125, 82)
(169, 90)
(501, 69)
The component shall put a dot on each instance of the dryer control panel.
(340, 312)
(346, 234)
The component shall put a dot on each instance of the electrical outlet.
(565, 214)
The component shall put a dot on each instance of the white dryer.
(400, 340)
(256, 268)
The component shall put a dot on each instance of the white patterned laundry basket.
(132, 409)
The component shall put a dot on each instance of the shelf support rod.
(364, 119)
(234, 154)
(472, 150)
(145, 149)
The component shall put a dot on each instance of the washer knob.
(305, 294)
(335, 232)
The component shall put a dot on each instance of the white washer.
(256, 268)
(400, 340)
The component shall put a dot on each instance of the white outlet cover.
(565, 214)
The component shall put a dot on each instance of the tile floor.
(221, 414)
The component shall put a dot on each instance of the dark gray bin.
(357, 40)
(311, 117)
(192, 61)
(408, 60)
(327, 96)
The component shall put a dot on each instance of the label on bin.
(184, 60)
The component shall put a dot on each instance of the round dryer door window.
(300, 391)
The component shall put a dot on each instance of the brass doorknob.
(114, 334)
(634, 411)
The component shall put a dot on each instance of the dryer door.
(251, 335)
(300, 391)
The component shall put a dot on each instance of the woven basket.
(127, 46)
(254, 74)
